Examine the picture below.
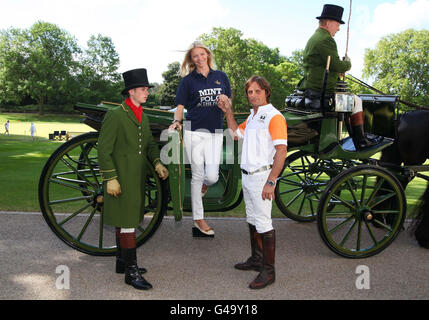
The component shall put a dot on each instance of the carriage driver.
(264, 135)
(316, 52)
(125, 150)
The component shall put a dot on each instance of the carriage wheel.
(71, 199)
(368, 215)
(302, 182)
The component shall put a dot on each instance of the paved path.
(181, 267)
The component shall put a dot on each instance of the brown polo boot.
(267, 275)
(254, 262)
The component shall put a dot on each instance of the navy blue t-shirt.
(198, 94)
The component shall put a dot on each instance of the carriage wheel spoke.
(289, 191)
(301, 205)
(358, 240)
(386, 211)
(70, 200)
(101, 234)
(352, 192)
(340, 225)
(86, 224)
(347, 236)
(77, 172)
(362, 196)
(71, 186)
(311, 204)
(88, 163)
(290, 182)
(74, 214)
(375, 191)
(383, 225)
(371, 233)
(347, 204)
(294, 198)
(381, 199)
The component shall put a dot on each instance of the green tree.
(37, 62)
(230, 53)
(50, 62)
(98, 78)
(297, 58)
(400, 65)
(168, 89)
(241, 58)
(13, 56)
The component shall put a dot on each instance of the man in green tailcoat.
(319, 47)
(125, 150)
(316, 52)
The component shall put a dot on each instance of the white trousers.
(204, 151)
(258, 211)
(357, 106)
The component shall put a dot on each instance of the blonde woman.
(203, 129)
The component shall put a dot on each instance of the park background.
(56, 53)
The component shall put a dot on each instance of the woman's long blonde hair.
(188, 66)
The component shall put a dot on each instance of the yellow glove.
(162, 171)
(113, 188)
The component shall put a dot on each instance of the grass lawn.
(22, 161)
(20, 124)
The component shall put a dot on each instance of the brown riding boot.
(254, 262)
(267, 275)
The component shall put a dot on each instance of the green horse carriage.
(360, 207)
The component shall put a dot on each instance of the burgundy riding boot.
(120, 263)
(267, 275)
(133, 276)
(254, 262)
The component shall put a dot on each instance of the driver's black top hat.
(134, 79)
(332, 12)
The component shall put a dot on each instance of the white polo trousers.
(258, 211)
(204, 151)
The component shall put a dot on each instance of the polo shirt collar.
(261, 108)
(199, 75)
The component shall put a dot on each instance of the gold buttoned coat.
(125, 149)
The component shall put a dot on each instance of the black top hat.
(134, 79)
(332, 12)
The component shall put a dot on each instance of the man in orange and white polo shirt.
(264, 135)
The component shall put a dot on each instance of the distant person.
(33, 131)
(203, 130)
(6, 127)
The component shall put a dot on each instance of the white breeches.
(357, 107)
(258, 211)
(204, 150)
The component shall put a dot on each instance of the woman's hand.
(224, 103)
(175, 126)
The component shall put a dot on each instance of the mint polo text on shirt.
(199, 96)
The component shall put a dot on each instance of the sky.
(152, 34)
